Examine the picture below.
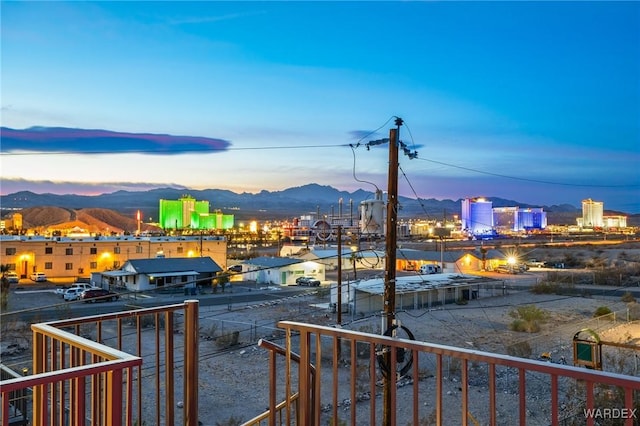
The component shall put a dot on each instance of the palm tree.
(4, 286)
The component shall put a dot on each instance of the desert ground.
(234, 382)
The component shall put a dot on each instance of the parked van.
(429, 269)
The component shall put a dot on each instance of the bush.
(520, 349)
(545, 287)
(628, 298)
(524, 326)
(601, 311)
(228, 340)
(528, 318)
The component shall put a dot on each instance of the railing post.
(191, 358)
(38, 367)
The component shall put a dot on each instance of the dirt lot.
(238, 378)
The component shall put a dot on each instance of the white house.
(281, 270)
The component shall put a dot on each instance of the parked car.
(38, 276)
(99, 295)
(82, 286)
(507, 269)
(235, 268)
(12, 277)
(60, 290)
(429, 269)
(307, 281)
(72, 293)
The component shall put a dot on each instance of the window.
(12, 266)
(116, 250)
(68, 252)
(68, 266)
(93, 250)
(116, 264)
(185, 278)
(48, 250)
(93, 265)
(180, 250)
(48, 265)
(138, 249)
(10, 251)
(81, 270)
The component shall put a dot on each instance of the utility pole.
(389, 302)
(339, 301)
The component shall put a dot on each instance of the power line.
(526, 179)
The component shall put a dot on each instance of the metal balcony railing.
(349, 377)
(90, 370)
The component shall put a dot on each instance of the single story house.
(156, 273)
(364, 259)
(452, 261)
(281, 270)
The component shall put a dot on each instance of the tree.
(220, 280)
(4, 286)
(483, 252)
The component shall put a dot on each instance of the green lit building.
(187, 213)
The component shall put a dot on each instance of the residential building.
(70, 258)
(281, 270)
(158, 273)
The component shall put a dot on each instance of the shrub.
(524, 326)
(228, 340)
(528, 318)
(601, 311)
(545, 287)
(628, 298)
(520, 349)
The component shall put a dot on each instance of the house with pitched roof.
(281, 270)
(158, 273)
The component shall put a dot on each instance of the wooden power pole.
(390, 267)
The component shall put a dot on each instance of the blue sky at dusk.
(533, 101)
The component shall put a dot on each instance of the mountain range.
(288, 203)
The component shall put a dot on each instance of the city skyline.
(535, 102)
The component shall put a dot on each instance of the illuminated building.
(187, 213)
(531, 218)
(592, 213)
(13, 223)
(515, 219)
(615, 222)
(477, 216)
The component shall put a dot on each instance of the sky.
(537, 102)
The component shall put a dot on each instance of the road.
(38, 302)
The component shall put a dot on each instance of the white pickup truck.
(533, 263)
